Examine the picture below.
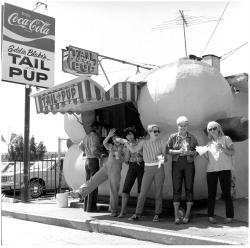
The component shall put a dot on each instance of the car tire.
(36, 189)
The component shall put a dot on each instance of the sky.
(125, 30)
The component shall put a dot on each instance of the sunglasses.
(210, 129)
(156, 131)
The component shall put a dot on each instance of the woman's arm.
(174, 152)
(127, 156)
(110, 134)
(170, 150)
(229, 151)
(123, 156)
(136, 148)
(164, 153)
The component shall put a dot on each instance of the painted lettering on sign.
(36, 25)
(27, 73)
(61, 96)
(83, 61)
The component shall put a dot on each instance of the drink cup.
(160, 157)
(117, 155)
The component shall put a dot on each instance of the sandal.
(177, 221)
(121, 215)
(156, 218)
(212, 220)
(135, 217)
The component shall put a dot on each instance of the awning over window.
(83, 94)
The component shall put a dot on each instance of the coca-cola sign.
(35, 25)
(28, 46)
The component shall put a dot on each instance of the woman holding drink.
(154, 155)
(219, 155)
(181, 146)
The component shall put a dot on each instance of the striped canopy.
(83, 94)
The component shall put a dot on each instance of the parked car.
(43, 177)
(6, 165)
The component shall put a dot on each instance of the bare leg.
(125, 198)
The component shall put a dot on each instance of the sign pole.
(26, 154)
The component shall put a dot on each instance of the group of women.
(145, 158)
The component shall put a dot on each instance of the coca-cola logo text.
(35, 25)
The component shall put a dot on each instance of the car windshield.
(6, 165)
(41, 165)
(37, 165)
(19, 167)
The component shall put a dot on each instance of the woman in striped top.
(154, 155)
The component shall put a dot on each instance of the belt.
(135, 161)
(152, 164)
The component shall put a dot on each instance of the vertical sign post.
(25, 188)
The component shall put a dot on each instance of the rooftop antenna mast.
(182, 21)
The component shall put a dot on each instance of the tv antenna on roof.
(182, 21)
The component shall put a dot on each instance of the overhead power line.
(231, 52)
(215, 28)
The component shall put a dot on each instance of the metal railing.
(43, 178)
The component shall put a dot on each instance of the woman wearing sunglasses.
(154, 155)
(181, 146)
(219, 156)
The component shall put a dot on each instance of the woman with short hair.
(181, 146)
(154, 155)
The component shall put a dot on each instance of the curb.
(115, 228)
(9, 200)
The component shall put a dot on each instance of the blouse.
(135, 157)
(219, 160)
(152, 149)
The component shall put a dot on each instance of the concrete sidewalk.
(197, 232)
